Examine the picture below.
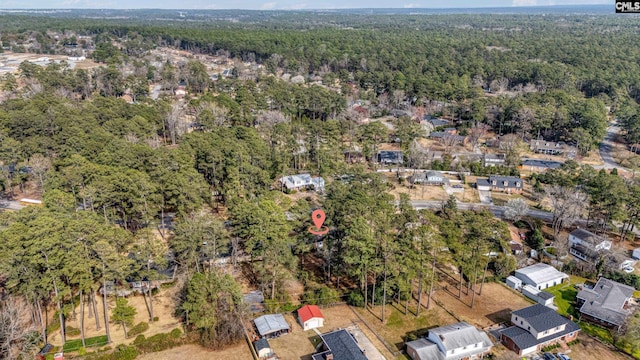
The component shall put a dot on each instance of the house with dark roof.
(552, 148)
(536, 327)
(263, 349)
(494, 159)
(456, 341)
(339, 345)
(430, 177)
(310, 317)
(587, 246)
(506, 184)
(607, 303)
(389, 157)
(536, 165)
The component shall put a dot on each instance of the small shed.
(541, 297)
(636, 254)
(514, 283)
(272, 325)
(310, 317)
(263, 349)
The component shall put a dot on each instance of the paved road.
(606, 148)
(498, 211)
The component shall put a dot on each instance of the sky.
(279, 4)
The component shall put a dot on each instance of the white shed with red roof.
(310, 317)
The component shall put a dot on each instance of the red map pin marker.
(318, 216)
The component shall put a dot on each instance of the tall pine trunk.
(95, 308)
(104, 306)
(60, 315)
(82, 318)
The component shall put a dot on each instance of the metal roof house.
(607, 303)
(540, 276)
(339, 345)
(456, 341)
(535, 327)
(272, 325)
(302, 181)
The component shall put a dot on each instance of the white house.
(263, 349)
(636, 254)
(455, 341)
(310, 317)
(587, 246)
(302, 181)
(540, 276)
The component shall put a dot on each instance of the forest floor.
(239, 351)
(492, 307)
(163, 308)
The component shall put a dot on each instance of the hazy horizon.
(283, 4)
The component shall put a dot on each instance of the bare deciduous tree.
(18, 334)
(516, 209)
(477, 132)
(568, 204)
(39, 166)
(174, 118)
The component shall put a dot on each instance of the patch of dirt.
(589, 348)
(195, 352)
(492, 307)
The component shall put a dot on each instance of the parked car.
(549, 356)
(628, 269)
(563, 356)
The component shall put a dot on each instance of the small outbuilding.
(272, 325)
(263, 349)
(310, 317)
(514, 283)
(636, 254)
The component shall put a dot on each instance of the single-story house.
(439, 122)
(607, 303)
(636, 253)
(430, 177)
(389, 157)
(272, 325)
(339, 345)
(540, 276)
(516, 247)
(456, 341)
(587, 246)
(310, 317)
(263, 349)
(537, 165)
(536, 327)
(552, 148)
(500, 183)
(494, 159)
(541, 297)
(302, 181)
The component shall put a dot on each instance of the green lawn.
(565, 298)
(74, 345)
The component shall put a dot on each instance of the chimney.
(441, 337)
(329, 356)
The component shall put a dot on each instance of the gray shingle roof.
(524, 339)
(261, 344)
(587, 236)
(542, 163)
(512, 182)
(342, 345)
(541, 318)
(606, 301)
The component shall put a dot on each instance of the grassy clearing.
(74, 345)
(596, 331)
(565, 298)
